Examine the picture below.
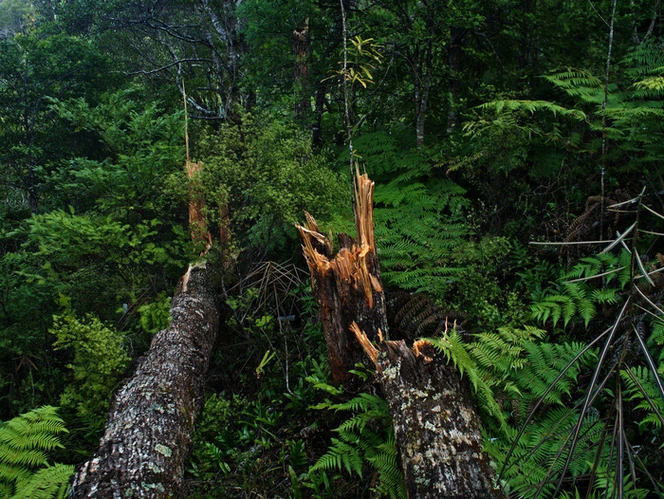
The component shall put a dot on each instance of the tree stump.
(436, 426)
(347, 286)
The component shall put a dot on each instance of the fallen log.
(148, 435)
(436, 425)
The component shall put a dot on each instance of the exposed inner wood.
(347, 285)
(436, 425)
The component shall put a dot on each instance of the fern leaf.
(46, 483)
(24, 443)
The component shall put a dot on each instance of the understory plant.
(581, 416)
(26, 472)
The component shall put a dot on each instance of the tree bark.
(454, 59)
(301, 47)
(149, 430)
(436, 426)
(422, 64)
(435, 421)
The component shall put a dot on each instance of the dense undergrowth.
(522, 232)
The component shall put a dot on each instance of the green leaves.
(25, 471)
(366, 437)
(268, 173)
(577, 294)
(98, 360)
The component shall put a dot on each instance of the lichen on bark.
(149, 430)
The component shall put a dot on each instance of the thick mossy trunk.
(435, 422)
(149, 430)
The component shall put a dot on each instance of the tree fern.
(419, 218)
(24, 467)
(419, 228)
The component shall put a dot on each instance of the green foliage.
(514, 365)
(542, 447)
(578, 294)
(419, 219)
(98, 360)
(268, 173)
(35, 66)
(25, 471)
(367, 437)
(140, 145)
(642, 387)
(15, 16)
(156, 315)
(114, 237)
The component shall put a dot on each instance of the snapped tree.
(434, 417)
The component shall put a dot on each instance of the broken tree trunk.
(198, 226)
(149, 430)
(436, 425)
(435, 422)
(347, 286)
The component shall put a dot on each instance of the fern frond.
(390, 475)
(451, 345)
(24, 443)
(340, 455)
(46, 483)
(641, 387)
(532, 106)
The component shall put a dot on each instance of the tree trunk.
(148, 434)
(422, 62)
(197, 222)
(454, 59)
(435, 422)
(436, 425)
(301, 47)
(348, 286)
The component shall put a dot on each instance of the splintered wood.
(347, 285)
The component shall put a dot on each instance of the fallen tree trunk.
(435, 422)
(148, 434)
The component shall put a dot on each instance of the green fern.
(366, 438)
(581, 84)
(341, 454)
(656, 343)
(418, 228)
(545, 361)
(641, 388)
(24, 467)
(540, 454)
(419, 219)
(51, 481)
(390, 476)
(532, 106)
(576, 295)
